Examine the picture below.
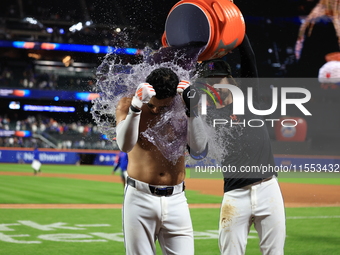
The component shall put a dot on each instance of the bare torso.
(146, 162)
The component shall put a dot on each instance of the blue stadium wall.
(106, 158)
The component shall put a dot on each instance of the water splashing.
(116, 80)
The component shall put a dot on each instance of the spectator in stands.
(28, 80)
(6, 76)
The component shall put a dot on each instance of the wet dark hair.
(164, 81)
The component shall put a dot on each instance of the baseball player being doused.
(151, 126)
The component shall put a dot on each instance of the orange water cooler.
(219, 25)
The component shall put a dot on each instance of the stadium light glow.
(70, 47)
(76, 27)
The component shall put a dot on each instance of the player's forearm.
(248, 67)
(248, 61)
(197, 135)
(127, 131)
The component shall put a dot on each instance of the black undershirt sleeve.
(248, 67)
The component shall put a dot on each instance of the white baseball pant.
(261, 204)
(148, 217)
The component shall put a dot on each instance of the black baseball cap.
(213, 67)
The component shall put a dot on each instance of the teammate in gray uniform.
(253, 197)
(155, 206)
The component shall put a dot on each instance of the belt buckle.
(167, 191)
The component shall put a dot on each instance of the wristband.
(134, 109)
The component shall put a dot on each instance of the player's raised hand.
(190, 95)
(143, 94)
(182, 85)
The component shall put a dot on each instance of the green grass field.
(99, 231)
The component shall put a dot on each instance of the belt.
(156, 190)
(263, 180)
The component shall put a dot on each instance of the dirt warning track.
(295, 195)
